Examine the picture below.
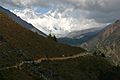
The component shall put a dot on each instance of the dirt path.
(61, 58)
(43, 59)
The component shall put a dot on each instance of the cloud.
(63, 16)
(56, 22)
(98, 9)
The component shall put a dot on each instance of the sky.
(60, 17)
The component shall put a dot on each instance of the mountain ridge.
(76, 38)
(30, 44)
(107, 41)
(25, 55)
(21, 22)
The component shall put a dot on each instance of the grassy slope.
(14, 74)
(18, 44)
(29, 44)
(82, 68)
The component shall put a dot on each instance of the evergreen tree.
(49, 36)
(52, 37)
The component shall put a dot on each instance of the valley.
(26, 53)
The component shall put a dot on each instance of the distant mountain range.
(21, 22)
(76, 38)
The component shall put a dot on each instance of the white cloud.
(65, 15)
(58, 23)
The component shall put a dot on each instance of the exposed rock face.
(109, 31)
(108, 41)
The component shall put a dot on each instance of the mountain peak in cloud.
(56, 22)
(62, 16)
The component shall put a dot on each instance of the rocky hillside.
(107, 41)
(82, 68)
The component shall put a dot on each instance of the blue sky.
(42, 10)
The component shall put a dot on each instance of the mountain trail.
(43, 59)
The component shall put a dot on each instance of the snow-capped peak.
(56, 22)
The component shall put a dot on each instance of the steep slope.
(19, 44)
(76, 38)
(107, 41)
(28, 44)
(81, 68)
(21, 22)
(14, 74)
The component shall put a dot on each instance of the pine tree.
(49, 36)
(52, 37)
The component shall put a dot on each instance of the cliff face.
(112, 44)
(110, 30)
(108, 41)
